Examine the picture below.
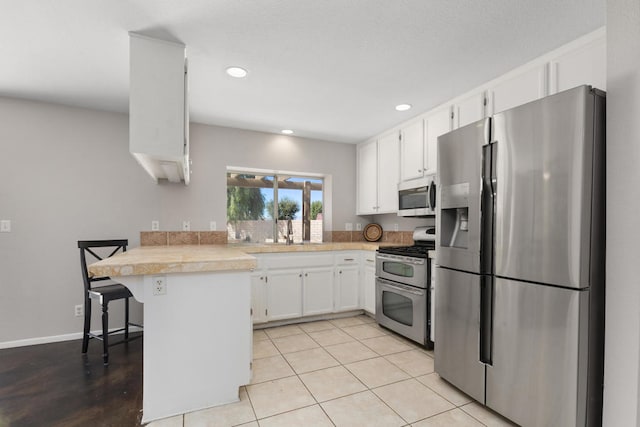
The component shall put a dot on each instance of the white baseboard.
(56, 338)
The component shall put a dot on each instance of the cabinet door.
(388, 173)
(469, 110)
(369, 285)
(436, 124)
(367, 178)
(284, 294)
(411, 155)
(258, 298)
(518, 90)
(584, 66)
(317, 291)
(347, 289)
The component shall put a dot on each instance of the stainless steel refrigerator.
(520, 290)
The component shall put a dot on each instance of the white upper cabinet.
(419, 144)
(411, 150)
(388, 173)
(436, 123)
(378, 174)
(469, 110)
(580, 62)
(585, 65)
(367, 177)
(520, 89)
(158, 108)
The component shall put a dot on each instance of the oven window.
(397, 268)
(397, 307)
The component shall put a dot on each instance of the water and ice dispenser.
(454, 211)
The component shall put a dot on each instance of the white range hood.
(158, 108)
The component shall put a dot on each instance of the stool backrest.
(90, 247)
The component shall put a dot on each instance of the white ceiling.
(328, 69)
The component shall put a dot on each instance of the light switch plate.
(358, 226)
(348, 226)
(5, 226)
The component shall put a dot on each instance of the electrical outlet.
(348, 226)
(5, 226)
(155, 225)
(395, 227)
(159, 285)
(78, 310)
(358, 226)
(213, 226)
(186, 226)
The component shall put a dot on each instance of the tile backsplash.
(164, 238)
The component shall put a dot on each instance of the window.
(259, 206)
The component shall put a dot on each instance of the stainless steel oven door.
(410, 270)
(403, 309)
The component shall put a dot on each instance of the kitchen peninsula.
(197, 301)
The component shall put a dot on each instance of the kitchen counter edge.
(146, 260)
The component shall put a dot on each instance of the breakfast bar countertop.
(146, 260)
(174, 259)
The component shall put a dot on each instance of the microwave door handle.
(432, 195)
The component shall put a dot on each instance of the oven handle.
(399, 287)
(397, 258)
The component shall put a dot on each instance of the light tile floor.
(342, 372)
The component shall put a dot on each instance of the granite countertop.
(206, 258)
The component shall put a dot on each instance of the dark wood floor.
(56, 385)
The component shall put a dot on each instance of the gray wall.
(622, 336)
(66, 174)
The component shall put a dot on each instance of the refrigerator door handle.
(487, 206)
(486, 319)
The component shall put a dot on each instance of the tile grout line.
(412, 347)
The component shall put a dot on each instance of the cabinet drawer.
(347, 258)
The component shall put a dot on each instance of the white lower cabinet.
(317, 291)
(368, 284)
(284, 294)
(347, 288)
(259, 297)
(323, 283)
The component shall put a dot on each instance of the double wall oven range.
(403, 296)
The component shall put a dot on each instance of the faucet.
(289, 236)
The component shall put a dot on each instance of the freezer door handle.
(487, 207)
(486, 319)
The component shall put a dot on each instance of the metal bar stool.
(104, 294)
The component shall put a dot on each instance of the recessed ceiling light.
(287, 131)
(403, 107)
(237, 72)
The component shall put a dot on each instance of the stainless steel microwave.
(417, 197)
